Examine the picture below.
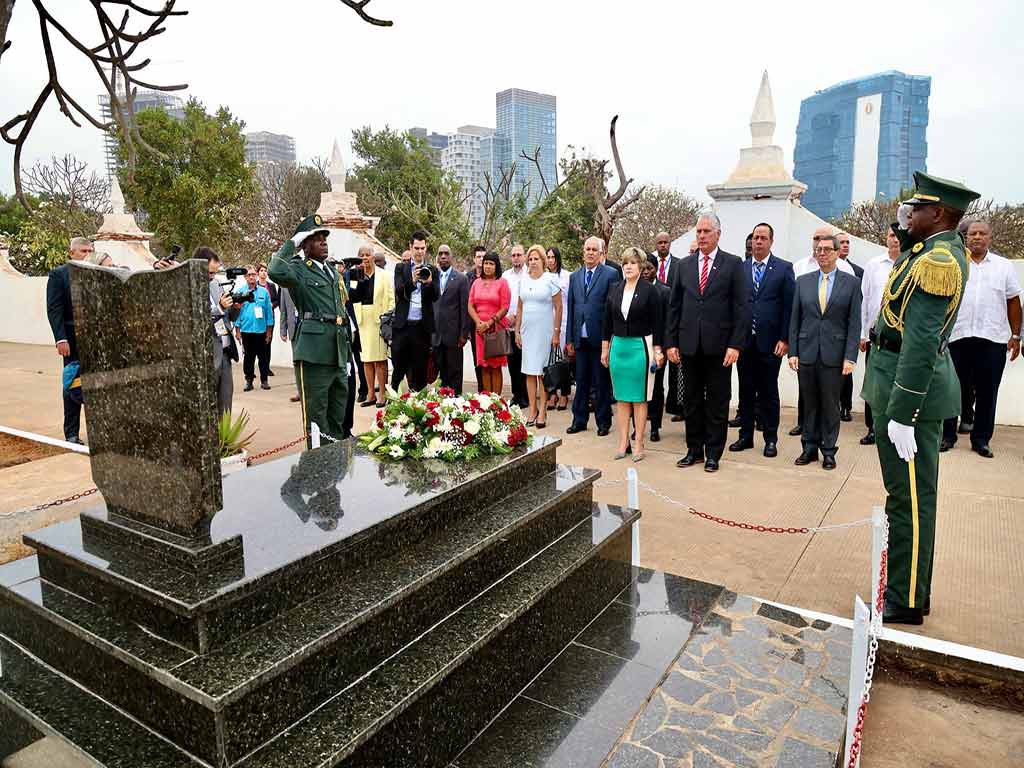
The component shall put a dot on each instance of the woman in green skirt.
(634, 322)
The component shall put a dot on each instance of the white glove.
(903, 215)
(903, 439)
(298, 239)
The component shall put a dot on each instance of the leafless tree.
(115, 56)
(610, 206)
(68, 182)
(503, 205)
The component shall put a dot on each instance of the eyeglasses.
(824, 249)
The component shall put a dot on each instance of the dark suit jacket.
(646, 314)
(588, 306)
(670, 269)
(857, 270)
(718, 318)
(772, 305)
(830, 338)
(451, 310)
(58, 308)
(404, 286)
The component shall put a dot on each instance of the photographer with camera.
(415, 293)
(255, 328)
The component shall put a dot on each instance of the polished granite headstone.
(147, 368)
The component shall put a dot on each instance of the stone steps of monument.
(424, 704)
(204, 610)
(255, 686)
(56, 706)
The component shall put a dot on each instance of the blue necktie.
(587, 279)
(444, 280)
(758, 276)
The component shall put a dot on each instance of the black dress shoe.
(270, 372)
(735, 422)
(927, 607)
(603, 431)
(690, 459)
(965, 428)
(741, 445)
(945, 445)
(868, 439)
(247, 387)
(711, 465)
(264, 384)
(898, 614)
(574, 428)
(828, 462)
(770, 450)
(677, 417)
(845, 415)
(655, 436)
(797, 430)
(806, 458)
(367, 403)
(984, 451)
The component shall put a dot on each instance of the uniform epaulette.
(937, 272)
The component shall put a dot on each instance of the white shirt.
(627, 299)
(810, 264)
(513, 279)
(990, 284)
(872, 286)
(711, 262)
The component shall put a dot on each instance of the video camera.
(239, 297)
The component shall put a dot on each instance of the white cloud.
(682, 78)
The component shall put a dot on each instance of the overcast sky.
(682, 76)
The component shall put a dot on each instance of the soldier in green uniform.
(322, 346)
(911, 385)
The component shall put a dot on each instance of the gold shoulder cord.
(948, 280)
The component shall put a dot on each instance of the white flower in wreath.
(472, 427)
(395, 433)
(434, 448)
(403, 419)
(396, 451)
(501, 437)
(485, 401)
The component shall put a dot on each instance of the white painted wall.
(866, 134)
(794, 227)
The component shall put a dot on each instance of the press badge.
(257, 312)
(219, 328)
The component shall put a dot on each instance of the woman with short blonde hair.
(538, 329)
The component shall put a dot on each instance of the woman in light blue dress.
(538, 329)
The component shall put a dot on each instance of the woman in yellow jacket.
(373, 294)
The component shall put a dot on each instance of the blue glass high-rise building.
(527, 121)
(861, 140)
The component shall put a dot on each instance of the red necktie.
(704, 273)
(661, 270)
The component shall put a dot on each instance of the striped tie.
(704, 274)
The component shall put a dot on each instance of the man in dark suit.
(824, 334)
(62, 323)
(656, 405)
(846, 395)
(771, 284)
(588, 289)
(472, 274)
(709, 319)
(452, 322)
(413, 325)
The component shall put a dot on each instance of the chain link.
(272, 451)
(735, 523)
(55, 503)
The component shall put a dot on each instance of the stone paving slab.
(755, 687)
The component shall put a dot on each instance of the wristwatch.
(1015, 337)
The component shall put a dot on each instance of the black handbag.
(497, 343)
(557, 375)
(387, 330)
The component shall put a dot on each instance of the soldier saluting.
(323, 342)
(911, 385)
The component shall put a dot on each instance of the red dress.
(489, 297)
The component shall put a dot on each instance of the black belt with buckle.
(895, 345)
(332, 319)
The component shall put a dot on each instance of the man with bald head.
(588, 289)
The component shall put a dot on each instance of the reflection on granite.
(311, 490)
(147, 379)
(756, 686)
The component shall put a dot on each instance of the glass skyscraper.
(525, 121)
(861, 140)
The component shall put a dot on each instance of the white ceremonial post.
(858, 666)
(633, 502)
(314, 435)
(879, 544)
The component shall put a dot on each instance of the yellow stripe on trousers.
(914, 523)
(302, 390)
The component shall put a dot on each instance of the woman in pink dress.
(489, 298)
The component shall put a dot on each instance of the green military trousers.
(911, 489)
(323, 392)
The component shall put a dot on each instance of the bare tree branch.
(359, 7)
